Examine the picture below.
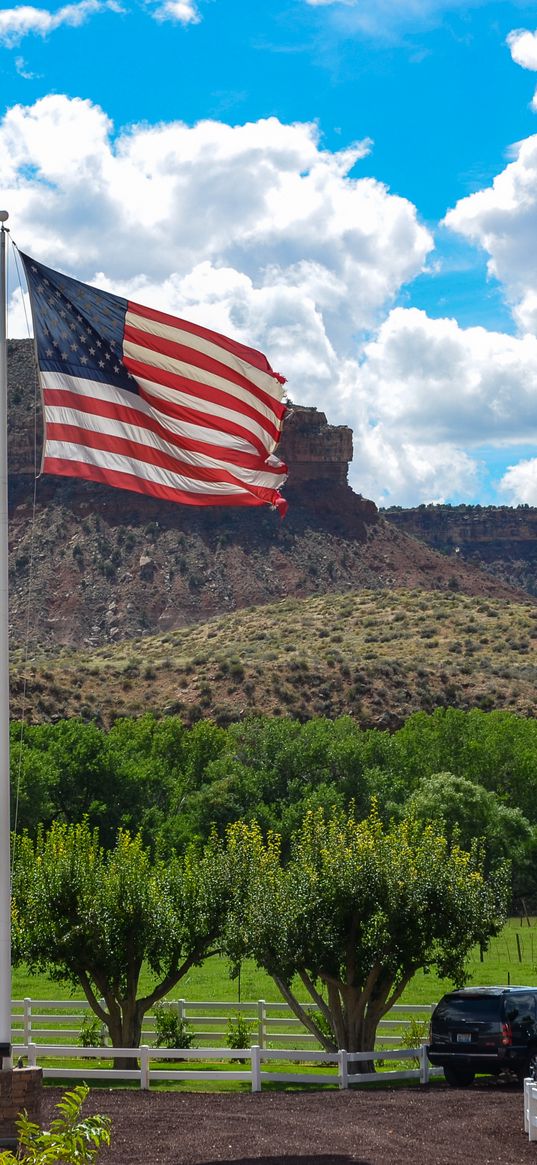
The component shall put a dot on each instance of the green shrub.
(239, 1032)
(413, 1035)
(91, 1032)
(172, 1030)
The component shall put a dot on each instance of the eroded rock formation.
(499, 539)
(91, 565)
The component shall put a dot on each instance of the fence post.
(255, 1055)
(32, 1055)
(181, 1008)
(424, 1065)
(261, 1022)
(532, 1113)
(144, 1066)
(343, 1068)
(27, 1020)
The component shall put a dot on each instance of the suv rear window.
(461, 1010)
(520, 1008)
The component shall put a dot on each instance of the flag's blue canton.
(78, 329)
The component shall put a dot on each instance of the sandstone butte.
(107, 565)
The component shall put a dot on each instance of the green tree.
(356, 911)
(466, 810)
(67, 764)
(494, 749)
(91, 918)
(271, 770)
(33, 776)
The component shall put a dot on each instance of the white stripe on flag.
(173, 395)
(200, 376)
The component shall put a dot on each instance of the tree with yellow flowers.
(356, 910)
(93, 918)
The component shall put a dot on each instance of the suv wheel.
(458, 1077)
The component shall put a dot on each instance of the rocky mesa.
(91, 565)
(501, 540)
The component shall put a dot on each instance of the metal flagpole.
(5, 871)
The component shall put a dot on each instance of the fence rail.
(145, 1071)
(41, 1020)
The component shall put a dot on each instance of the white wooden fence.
(42, 1020)
(144, 1069)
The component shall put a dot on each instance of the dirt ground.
(481, 1125)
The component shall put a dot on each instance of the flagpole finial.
(4, 215)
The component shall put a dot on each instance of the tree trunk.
(124, 1016)
(360, 1039)
(360, 1029)
(125, 1029)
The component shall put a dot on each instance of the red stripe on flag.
(204, 392)
(148, 455)
(203, 420)
(250, 355)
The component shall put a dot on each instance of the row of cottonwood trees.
(474, 773)
(347, 915)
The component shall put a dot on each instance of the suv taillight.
(507, 1035)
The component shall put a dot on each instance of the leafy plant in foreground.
(69, 1140)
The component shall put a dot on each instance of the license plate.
(463, 1037)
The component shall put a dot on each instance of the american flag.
(144, 401)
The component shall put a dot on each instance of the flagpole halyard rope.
(29, 630)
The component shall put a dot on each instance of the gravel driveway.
(481, 1125)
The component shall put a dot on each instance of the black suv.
(484, 1029)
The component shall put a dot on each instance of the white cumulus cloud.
(181, 11)
(263, 199)
(428, 395)
(16, 23)
(523, 46)
(440, 382)
(258, 231)
(502, 219)
(519, 483)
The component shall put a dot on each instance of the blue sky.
(198, 154)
